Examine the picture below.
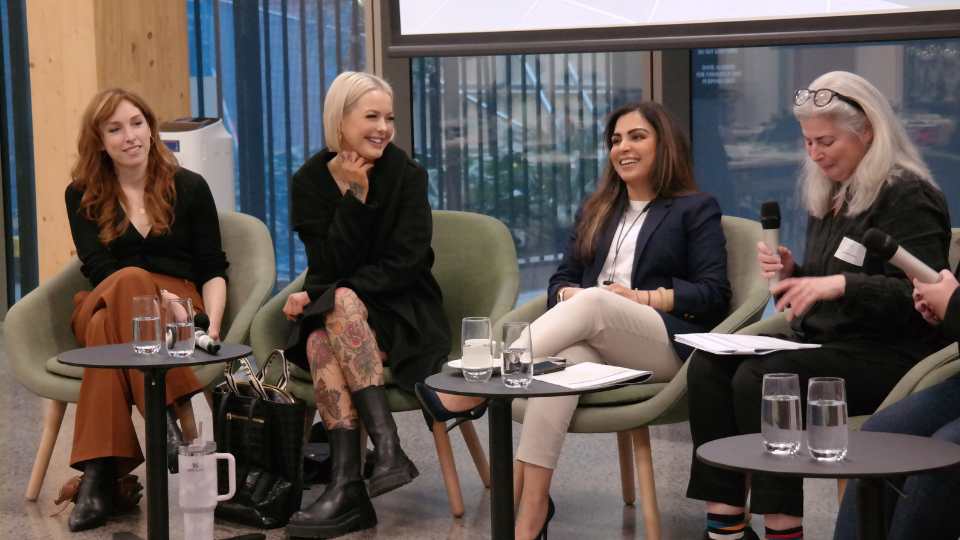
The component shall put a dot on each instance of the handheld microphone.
(203, 341)
(770, 221)
(887, 248)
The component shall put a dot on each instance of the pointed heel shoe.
(551, 510)
(431, 404)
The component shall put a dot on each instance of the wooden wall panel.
(63, 77)
(142, 46)
(77, 48)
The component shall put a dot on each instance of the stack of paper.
(740, 344)
(590, 375)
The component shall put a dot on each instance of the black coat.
(681, 246)
(381, 250)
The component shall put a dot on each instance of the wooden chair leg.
(648, 488)
(517, 483)
(841, 487)
(52, 420)
(476, 452)
(448, 467)
(627, 482)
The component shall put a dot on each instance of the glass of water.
(827, 419)
(178, 328)
(146, 324)
(780, 423)
(477, 361)
(517, 368)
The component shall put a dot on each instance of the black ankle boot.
(95, 496)
(174, 440)
(392, 468)
(344, 505)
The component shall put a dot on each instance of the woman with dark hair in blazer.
(646, 259)
(360, 207)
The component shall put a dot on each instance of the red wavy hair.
(93, 173)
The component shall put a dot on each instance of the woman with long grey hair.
(860, 171)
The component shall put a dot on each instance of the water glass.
(827, 419)
(517, 355)
(477, 349)
(780, 423)
(178, 328)
(146, 324)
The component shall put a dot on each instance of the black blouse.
(191, 249)
(877, 304)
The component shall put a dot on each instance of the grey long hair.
(891, 149)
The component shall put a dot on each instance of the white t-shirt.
(618, 267)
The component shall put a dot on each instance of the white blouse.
(618, 266)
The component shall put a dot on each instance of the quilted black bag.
(262, 426)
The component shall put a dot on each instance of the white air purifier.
(205, 147)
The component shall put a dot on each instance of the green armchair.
(629, 411)
(476, 267)
(37, 328)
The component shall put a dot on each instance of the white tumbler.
(198, 487)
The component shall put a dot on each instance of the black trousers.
(724, 394)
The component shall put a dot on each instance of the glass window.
(747, 145)
(518, 138)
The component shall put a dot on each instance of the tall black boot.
(392, 468)
(95, 496)
(344, 505)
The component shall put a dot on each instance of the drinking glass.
(477, 349)
(780, 423)
(827, 419)
(517, 363)
(146, 324)
(178, 328)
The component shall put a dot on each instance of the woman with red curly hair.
(142, 226)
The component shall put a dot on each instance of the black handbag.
(262, 426)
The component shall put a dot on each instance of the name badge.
(851, 252)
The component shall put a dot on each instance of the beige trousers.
(594, 326)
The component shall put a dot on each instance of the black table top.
(450, 383)
(869, 454)
(122, 356)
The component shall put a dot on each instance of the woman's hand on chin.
(295, 304)
(799, 294)
(350, 171)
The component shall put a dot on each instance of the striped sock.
(786, 534)
(725, 527)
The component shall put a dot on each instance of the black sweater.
(381, 250)
(191, 249)
(877, 305)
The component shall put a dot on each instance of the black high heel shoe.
(431, 404)
(551, 510)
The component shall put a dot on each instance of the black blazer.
(681, 246)
(381, 250)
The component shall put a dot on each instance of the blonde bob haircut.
(890, 152)
(343, 94)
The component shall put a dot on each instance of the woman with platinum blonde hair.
(360, 208)
(861, 171)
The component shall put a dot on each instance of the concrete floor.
(586, 487)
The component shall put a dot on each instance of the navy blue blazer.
(681, 246)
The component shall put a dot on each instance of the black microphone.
(203, 341)
(770, 221)
(881, 244)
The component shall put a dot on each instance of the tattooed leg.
(353, 342)
(329, 386)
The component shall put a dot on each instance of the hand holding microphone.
(775, 260)
(204, 342)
